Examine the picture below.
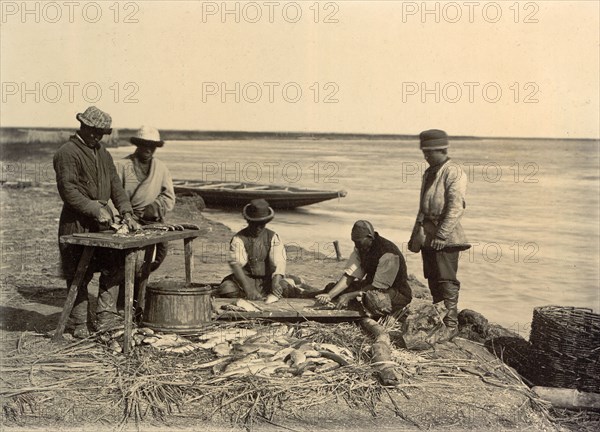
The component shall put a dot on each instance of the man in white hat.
(86, 179)
(148, 184)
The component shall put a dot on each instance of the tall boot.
(80, 314)
(106, 313)
(450, 291)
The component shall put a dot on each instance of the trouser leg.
(440, 269)
(162, 249)
(432, 274)
(447, 263)
(111, 277)
(436, 291)
(107, 299)
(229, 289)
(79, 313)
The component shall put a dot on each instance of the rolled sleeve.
(353, 266)
(387, 270)
(237, 252)
(278, 256)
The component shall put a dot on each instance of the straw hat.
(147, 136)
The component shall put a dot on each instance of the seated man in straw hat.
(375, 277)
(258, 260)
(148, 184)
(86, 179)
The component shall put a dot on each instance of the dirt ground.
(32, 293)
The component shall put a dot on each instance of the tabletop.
(109, 239)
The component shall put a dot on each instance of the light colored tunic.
(156, 188)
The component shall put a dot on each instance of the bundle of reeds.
(95, 384)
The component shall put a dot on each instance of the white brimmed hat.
(147, 136)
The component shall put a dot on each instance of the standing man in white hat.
(86, 179)
(148, 184)
(438, 233)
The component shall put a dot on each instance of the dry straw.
(86, 382)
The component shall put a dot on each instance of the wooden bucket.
(176, 308)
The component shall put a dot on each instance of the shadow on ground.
(16, 319)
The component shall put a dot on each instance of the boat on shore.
(238, 194)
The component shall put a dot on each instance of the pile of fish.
(241, 351)
(139, 336)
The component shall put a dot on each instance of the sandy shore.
(32, 294)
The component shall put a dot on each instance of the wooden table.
(131, 244)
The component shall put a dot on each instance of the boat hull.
(279, 197)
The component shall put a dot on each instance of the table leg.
(82, 267)
(130, 259)
(189, 259)
(144, 280)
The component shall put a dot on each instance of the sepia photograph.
(301, 216)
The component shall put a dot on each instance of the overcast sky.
(472, 68)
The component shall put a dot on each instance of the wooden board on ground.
(286, 309)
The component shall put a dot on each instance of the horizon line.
(310, 133)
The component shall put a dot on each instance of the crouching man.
(375, 279)
(257, 258)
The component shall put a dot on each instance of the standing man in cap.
(257, 258)
(86, 179)
(438, 234)
(375, 275)
(148, 184)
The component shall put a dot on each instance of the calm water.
(532, 209)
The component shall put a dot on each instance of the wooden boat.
(236, 194)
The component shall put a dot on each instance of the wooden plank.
(188, 246)
(129, 282)
(108, 240)
(285, 309)
(82, 266)
(143, 282)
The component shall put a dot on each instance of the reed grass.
(101, 387)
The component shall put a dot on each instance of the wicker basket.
(566, 347)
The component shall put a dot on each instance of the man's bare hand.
(252, 293)
(104, 216)
(438, 244)
(342, 302)
(131, 222)
(323, 299)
